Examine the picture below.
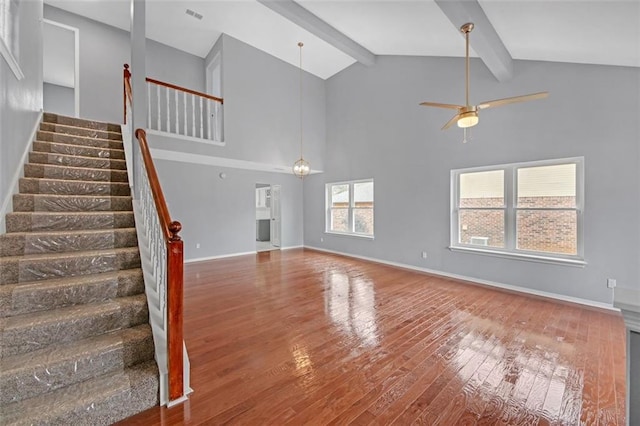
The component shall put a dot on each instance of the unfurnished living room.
(320, 212)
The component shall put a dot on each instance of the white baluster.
(209, 136)
(166, 91)
(177, 123)
(158, 97)
(193, 113)
(184, 127)
(201, 114)
(149, 103)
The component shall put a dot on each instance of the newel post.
(175, 286)
(126, 76)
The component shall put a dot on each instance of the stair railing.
(163, 265)
(181, 111)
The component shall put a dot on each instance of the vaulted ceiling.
(338, 33)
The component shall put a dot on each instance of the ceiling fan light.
(468, 119)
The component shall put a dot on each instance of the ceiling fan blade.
(439, 105)
(505, 101)
(451, 122)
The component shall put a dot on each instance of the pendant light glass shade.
(301, 167)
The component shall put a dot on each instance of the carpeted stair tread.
(75, 149)
(44, 136)
(37, 330)
(77, 161)
(48, 117)
(24, 243)
(35, 296)
(100, 401)
(80, 131)
(46, 370)
(52, 171)
(71, 203)
(43, 221)
(29, 185)
(36, 267)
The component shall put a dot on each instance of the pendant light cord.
(467, 66)
(300, 44)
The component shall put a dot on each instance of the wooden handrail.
(175, 275)
(126, 89)
(183, 89)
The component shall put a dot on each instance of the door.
(275, 216)
(61, 89)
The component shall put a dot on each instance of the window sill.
(522, 256)
(345, 234)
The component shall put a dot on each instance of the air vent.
(194, 14)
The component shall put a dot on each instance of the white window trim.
(510, 183)
(5, 51)
(327, 220)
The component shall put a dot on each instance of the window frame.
(511, 208)
(350, 209)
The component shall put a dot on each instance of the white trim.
(5, 52)
(520, 256)
(348, 234)
(185, 137)
(224, 256)
(7, 204)
(510, 287)
(76, 71)
(185, 157)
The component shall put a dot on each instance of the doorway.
(61, 65)
(268, 217)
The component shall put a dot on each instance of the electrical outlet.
(322, 240)
(424, 254)
(611, 283)
(197, 245)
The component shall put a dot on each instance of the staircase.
(75, 343)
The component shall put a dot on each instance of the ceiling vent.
(194, 14)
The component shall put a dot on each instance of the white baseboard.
(510, 287)
(7, 203)
(223, 256)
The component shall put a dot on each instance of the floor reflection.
(350, 303)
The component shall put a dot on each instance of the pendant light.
(301, 167)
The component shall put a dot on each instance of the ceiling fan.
(467, 115)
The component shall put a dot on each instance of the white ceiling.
(583, 31)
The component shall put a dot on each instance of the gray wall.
(59, 99)
(375, 129)
(262, 109)
(20, 100)
(634, 383)
(220, 214)
(103, 51)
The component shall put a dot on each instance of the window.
(529, 210)
(350, 208)
(9, 36)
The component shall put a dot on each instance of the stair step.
(35, 331)
(36, 267)
(46, 370)
(71, 187)
(70, 203)
(100, 401)
(71, 149)
(58, 221)
(51, 171)
(24, 298)
(25, 243)
(77, 161)
(77, 140)
(80, 131)
(48, 117)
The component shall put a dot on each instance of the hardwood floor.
(302, 337)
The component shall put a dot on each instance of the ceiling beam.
(484, 38)
(316, 26)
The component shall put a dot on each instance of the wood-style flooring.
(301, 337)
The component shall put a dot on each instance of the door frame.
(76, 68)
